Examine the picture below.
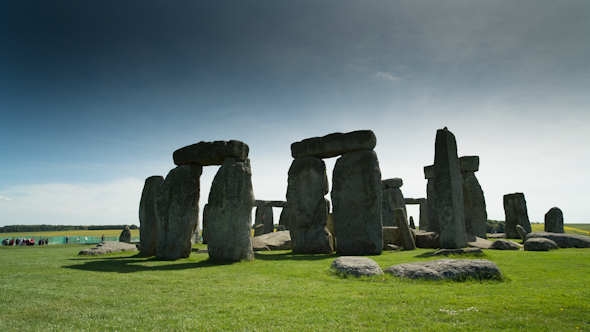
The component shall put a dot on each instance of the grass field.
(580, 229)
(52, 288)
(106, 232)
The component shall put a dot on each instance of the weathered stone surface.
(554, 221)
(265, 217)
(391, 235)
(330, 227)
(424, 219)
(391, 247)
(497, 236)
(284, 218)
(406, 235)
(540, 244)
(412, 225)
(392, 183)
(414, 200)
(308, 209)
(281, 228)
(461, 251)
(478, 242)
(356, 195)
(205, 220)
(262, 203)
(469, 163)
(210, 153)
(108, 247)
(148, 224)
(432, 224)
(177, 211)
(258, 229)
(274, 241)
(455, 269)
(474, 205)
(563, 240)
(394, 195)
(516, 214)
(230, 212)
(448, 191)
(334, 144)
(505, 245)
(357, 266)
(522, 233)
(425, 239)
(125, 235)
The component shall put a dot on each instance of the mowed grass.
(99, 232)
(51, 288)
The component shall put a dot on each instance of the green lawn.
(51, 288)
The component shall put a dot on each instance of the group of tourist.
(24, 242)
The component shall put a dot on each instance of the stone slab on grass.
(453, 269)
(502, 244)
(108, 247)
(273, 241)
(563, 240)
(357, 266)
(540, 244)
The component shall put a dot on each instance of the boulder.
(273, 241)
(177, 211)
(408, 242)
(521, 232)
(125, 235)
(461, 251)
(540, 244)
(454, 269)
(148, 224)
(448, 191)
(230, 212)
(478, 242)
(516, 214)
(356, 266)
(554, 221)
(333, 145)
(210, 153)
(391, 235)
(505, 245)
(264, 216)
(258, 229)
(474, 202)
(307, 207)
(356, 196)
(108, 247)
(427, 240)
(563, 240)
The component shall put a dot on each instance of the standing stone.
(148, 224)
(516, 214)
(448, 191)
(307, 208)
(412, 225)
(205, 219)
(391, 190)
(258, 229)
(284, 218)
(125, 235)
(423, 217)
(521, 232)
(177, 210)
(432, 224)
(405, 232)
(231, 198)
(356, 196)
(474, 202)
(264, 216)
(554, 221)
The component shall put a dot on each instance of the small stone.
(540, 244)
(357, 266)
(210, 153)
(334, 144)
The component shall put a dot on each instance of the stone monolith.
(356, 197)
(474, 202)
(516, 214)
(405, 232)
(177, 211)
(307, 207)
(125, 235)
(554, 221)
(448, 191)
(230, 212)
(265, 217)
(432, 224)
(148, 223)
(391, 191)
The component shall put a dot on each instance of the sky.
(95, 96)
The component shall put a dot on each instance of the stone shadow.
(134, 264)
(289, 256)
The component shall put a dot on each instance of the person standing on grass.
(67, 239)
(103, 238)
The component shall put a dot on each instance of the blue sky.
(96, 96)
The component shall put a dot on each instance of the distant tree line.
(495, 226)
(58, 228)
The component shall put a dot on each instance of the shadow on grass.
(289, 256)
(137, 263)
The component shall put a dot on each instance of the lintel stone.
(335, 144)
(210, 153)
